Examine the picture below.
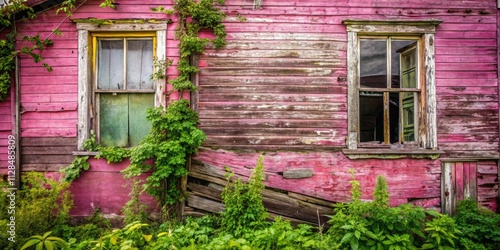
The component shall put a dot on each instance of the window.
(388, 90)
(391, 89)
(114, 86)
(122, 87)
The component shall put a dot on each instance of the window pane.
(394, 121)
(373, 63)
(371, 116)
(409, 101)
(113, 119)
(404, 59)
(138, 125)
(110, 64)
(139, 64)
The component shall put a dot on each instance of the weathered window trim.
(84, 65)
(428, 136)
(371, 153)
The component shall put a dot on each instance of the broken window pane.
(373, 63)
(394, 121)
(396, 47)
(371, 116)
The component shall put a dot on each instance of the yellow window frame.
(95, 36)
(123, 35)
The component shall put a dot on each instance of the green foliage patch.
(41, 204)
(173, 137)
(244, 209)
(244, 224)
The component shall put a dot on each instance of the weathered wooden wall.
(311, 181)
(280, 86)
(280, 83)
(5, 130)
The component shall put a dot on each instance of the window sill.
(85, 153)
(387, 153)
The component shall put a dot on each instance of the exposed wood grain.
(280, 86)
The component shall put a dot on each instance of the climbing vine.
(174, 134)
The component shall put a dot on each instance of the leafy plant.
(45, 241)
(135, 209)
(442, 232)
(244, 209)
(160, 66)
(41, 204)
(479, 226)
(113, 154)
(90, 144)
(376, 225)
(73, 171)
(194, 16)
(90, 228)
(173, 137)
(130, 237)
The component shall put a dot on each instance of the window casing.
(114, 86)
(391, 85)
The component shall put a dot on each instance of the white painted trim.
(83, 126)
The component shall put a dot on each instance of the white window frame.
(425, 29)
(85, 72)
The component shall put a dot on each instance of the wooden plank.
(310, 199)
(47, 159)
(283, 141)
(204, 204)
(209, 125)
(48, 141)
(467, 176)
(273, 98)
(160, 85)
(250, 106)
(47, 150)
(205, 191)
(84, 79)
(430, 93)
(281, 89)
(53, 167)
(310, 115)
(473, 180)
(352, 95)
(237, 81)
(459, 181)
(447, 192)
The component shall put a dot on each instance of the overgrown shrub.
(90, 228)
(135, 209)
(375, 225)
(244, 209)
(479, 226)
(41, 204)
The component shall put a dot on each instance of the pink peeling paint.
(279, 86)
(103, 187)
